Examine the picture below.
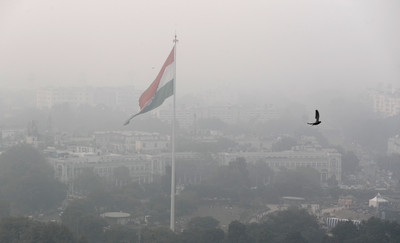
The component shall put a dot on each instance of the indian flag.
(161, 88)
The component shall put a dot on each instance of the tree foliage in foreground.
(292, 225)
(27, 181)
(26, 230)
(372, 230)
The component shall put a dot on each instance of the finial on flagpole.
(175, 40)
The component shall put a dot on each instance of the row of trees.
(292, 225)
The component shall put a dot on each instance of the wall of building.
(327, 162)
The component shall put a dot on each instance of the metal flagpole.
(172, 217)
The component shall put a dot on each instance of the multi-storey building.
(386, 103)
(327, 161)
(142, 168)
(125, 142)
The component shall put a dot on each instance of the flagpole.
(172, 217)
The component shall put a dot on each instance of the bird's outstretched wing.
(316, 115)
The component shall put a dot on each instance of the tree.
(295, 237)
(202, 235)
(186, 202)
(294, 221)
(299, 182)
(235, 175)
(158, 207)
(88, 181)
(372, 230)
(260, 173)
(260, 232)
(284, 143)
(390, 162)
(344, 231)
(237, 233)
(74, 212)
(158, 235)
(82, 219)
(119, 233)
(350, 161)
(4, 208)
(203, 223)
(377, 230)
(35, 192)
(26, 230)
(332, 182)
(202, 229)
(92, 227)
(22, 160)
(122, 176)
(52, 232)
(27, 180)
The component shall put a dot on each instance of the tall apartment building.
(386, 103)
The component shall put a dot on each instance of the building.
(142, 168)
(129, 142)
(116, 217)
(346, 201)
(387, 102)
(394, 145)
(327, 161)
(332, 222)
(377, 201)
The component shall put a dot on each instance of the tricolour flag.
(161, 88)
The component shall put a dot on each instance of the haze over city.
(286, 125)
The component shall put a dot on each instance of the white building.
(126, 142)
(327, 161)
(377, 201)
(142, 168)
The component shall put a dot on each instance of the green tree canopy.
(27, 180)
(300, 182)
(203, 223)
(26, 230)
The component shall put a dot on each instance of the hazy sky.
(267, 45)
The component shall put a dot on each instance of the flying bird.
(317, 121)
